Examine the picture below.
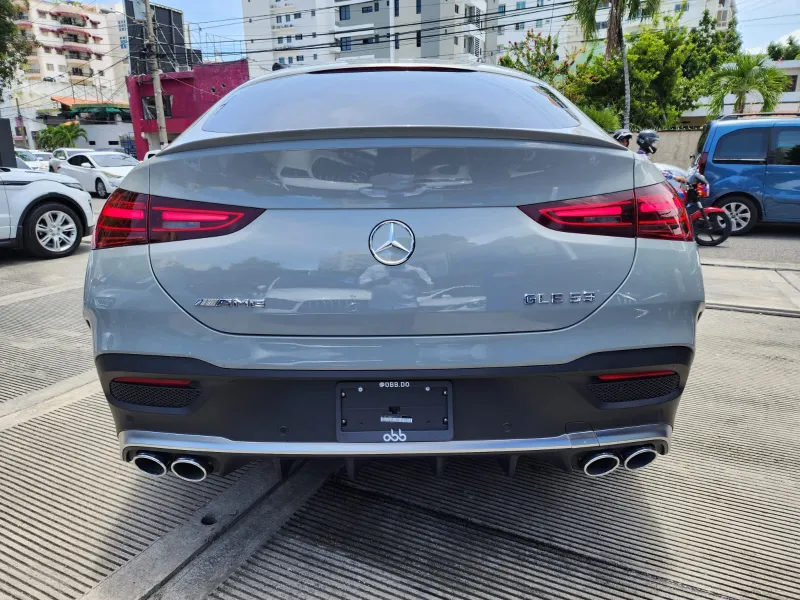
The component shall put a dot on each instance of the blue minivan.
(753, 165)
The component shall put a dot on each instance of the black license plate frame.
(408, 394)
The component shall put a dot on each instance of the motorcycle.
(712, 225)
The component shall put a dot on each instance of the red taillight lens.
(639, 375)
(172, 220)
(122, 222)
(609, 214)
(661, 214)
(129, 218)
(701, 163)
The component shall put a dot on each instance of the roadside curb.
(759, 266)
(775, 312)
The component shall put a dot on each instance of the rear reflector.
(659, 214)
(151, 381)
(639, 375)
(129, 218)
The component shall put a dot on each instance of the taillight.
(609, 214)
(129, 218)
(658, 213)
(629, 376)
(701, 163)
(122, 222)
(661, 214)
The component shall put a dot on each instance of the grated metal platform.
(71, 512)
(717, 518)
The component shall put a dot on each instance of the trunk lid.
(320, 260)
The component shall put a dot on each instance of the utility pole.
(155, 73)
(21, 123)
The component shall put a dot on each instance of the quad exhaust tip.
(150, 464)
(189, 469)
(601, 464)
(638, 458)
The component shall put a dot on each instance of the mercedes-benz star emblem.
(391, 243)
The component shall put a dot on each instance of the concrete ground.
(716, 518)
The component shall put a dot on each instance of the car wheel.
(52, 230)
(743, 213)
(100, 188)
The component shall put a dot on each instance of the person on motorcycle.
(623, 136)
(647, 141)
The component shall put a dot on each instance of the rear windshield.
(391, 98)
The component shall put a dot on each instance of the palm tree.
(586, 15)
(746, 74)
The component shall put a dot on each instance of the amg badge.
(557, 298)
(251, 302)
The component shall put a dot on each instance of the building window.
(298, 37)
(520, 5)
(501, 9)
(280, 40)
(419, 6)
(537, 23)
(53, 17)
(282, 60)
(42, 14)
(377, 6)
(346, 43)
(149, 107)
(279, 19)
(48, 50)
(396, 8)
(291, 60)
(315, 57)
(678, 7)
(366, 9)
(121, 26)
(288, 39)
(539, 2)
(301, 58)
(123, 42)
(792, 85)
(288, 18)
(313, 34)
(60, 52)
(519, 26)
(101, 73)
(419, 37)
(62, 68)
(51, 67)
(601, 25)
(297, 15)
(456, 7)
(396, 42)
(314, 14)
(344, 13)
(455, 40)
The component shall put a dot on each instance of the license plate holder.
(394, 411)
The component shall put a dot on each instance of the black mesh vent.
(635, 389)
(153, 395)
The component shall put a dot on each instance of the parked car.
(521, 310)
(99, 171)
(43, 156)
(752, 163)
(47, 214)
(30, 159)
(60, 155)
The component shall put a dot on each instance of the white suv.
(45, 213)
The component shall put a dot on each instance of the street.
(716, 518)
(774, 244)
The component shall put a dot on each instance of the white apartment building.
(514, 19)
(80, 52)
(292, 32)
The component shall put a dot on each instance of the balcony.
(70, 22)
(76, 59)
(79, 47)
(33, 73)
(75, 77)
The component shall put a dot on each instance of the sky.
(760, 21)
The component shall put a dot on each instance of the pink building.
(187, 95)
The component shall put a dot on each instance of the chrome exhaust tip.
(150, 464)
(638, 458)
(601, 464)
(189, 469)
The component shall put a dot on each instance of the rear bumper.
(513, 410)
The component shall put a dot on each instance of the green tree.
(586, 15)
(14, 45)
(537, 55)
(747, 73)
(788, 50)
(710, 49)
(606, 117)
(60, 136)
(659, 89)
